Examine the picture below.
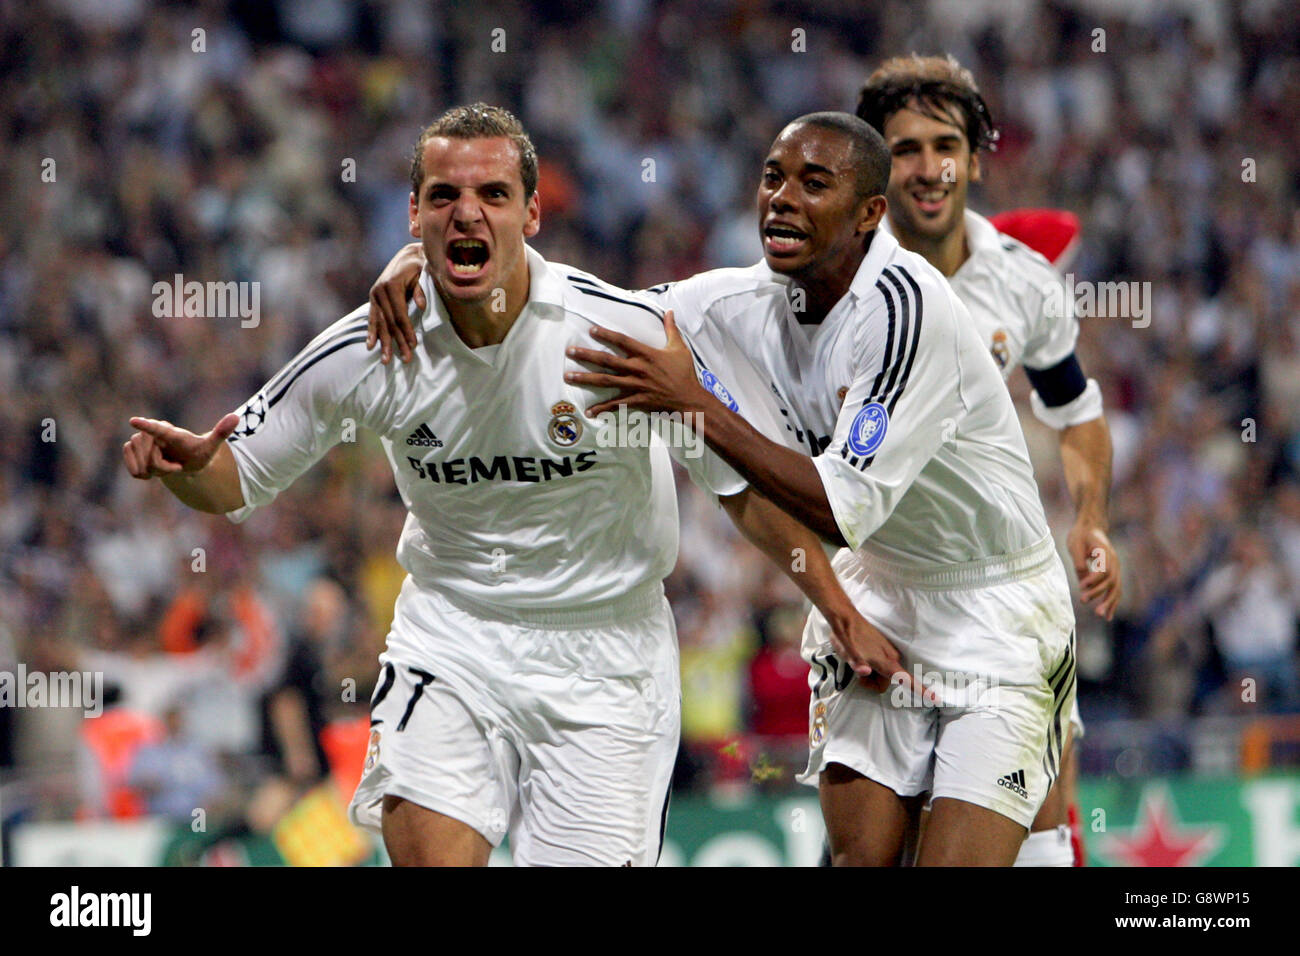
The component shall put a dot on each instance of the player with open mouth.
(898, 439)
(902, 445)
(467, 259)
(530, 684)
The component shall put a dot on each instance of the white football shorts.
(992, 641)
(560, 731)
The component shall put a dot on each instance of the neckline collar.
(981, 235)
(883, 247)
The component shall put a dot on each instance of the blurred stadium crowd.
(225, 156)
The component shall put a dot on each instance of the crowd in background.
(270, 143)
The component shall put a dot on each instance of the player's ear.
(414, 213)
(533, 215)
(873, 211)
(975, 172)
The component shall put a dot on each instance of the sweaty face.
(471, 216)
(810, 216)
(932, 167)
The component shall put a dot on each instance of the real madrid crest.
(1001, 354)
(566, 427)
(372, 751)
(818, 732)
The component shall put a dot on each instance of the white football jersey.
(515, 499)
(1019, 307)
(893, 393)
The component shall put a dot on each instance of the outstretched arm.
(200, 470)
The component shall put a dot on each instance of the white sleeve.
(706, 468)
(300, 414)
(901, 407)
(1054, 328)
(733, 377)
(720, 365)
(1086, 407)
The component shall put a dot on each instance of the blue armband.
(1060, 384)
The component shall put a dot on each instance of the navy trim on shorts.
(1060, 681)
(663, 819)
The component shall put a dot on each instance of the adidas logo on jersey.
(1015, 782)
(424, 438)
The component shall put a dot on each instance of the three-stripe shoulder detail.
(349, 334)
(903, 317)
(909, 294)
(599, 290)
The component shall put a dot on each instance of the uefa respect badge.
(868, 429)
(710, 381)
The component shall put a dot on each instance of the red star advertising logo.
(1158, 838)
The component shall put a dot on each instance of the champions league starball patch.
(565, 428)
(251, 417)
(710, 381)
(868, 429)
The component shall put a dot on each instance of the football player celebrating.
(911, 455)
(900, 440)
(530, 684)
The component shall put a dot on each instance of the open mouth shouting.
(781, 239)
(467, 258)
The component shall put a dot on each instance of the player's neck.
(488, 321)
(946, 253)
(827, 287)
